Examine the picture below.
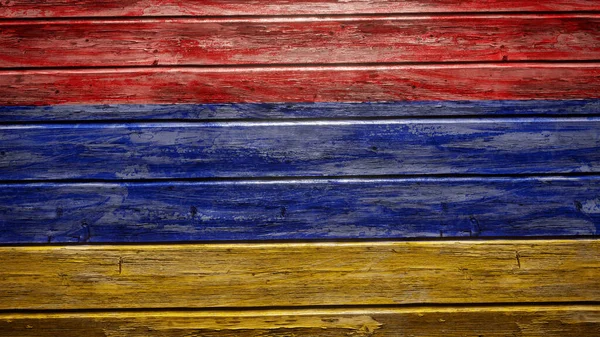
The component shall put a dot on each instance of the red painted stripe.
(299, 40)
(301, 84)
(88, 8)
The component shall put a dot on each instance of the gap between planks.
(112, 8)
(301, 18)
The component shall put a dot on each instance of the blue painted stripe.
(308, 148)
(299, 209)
(298, 110)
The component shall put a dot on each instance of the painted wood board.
(89, 8)
(299, 209)
(504, 321)
(304, 40)
(300, 148)
(298, 274)
(301, 84)
(261, 111)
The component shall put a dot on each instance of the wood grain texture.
(256, 111)
(301, 84)
(88, 8)
(298, 274)
(310, 148)
(299, 40)
(506, 321)
(302, 209)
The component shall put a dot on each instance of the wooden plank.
(205, 112)
(300, 148)
(299, 209)
(362, 39)
(88, 8)
(508, 321)
(300, 84)
(298, 274)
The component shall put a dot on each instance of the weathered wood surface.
(199, 112)
(363, 39)
(300, 84)
(299, 52)
(304, 209)
(298, 274)
(309, 148)
(506, 321)
(88, 8)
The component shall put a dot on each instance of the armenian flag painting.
(299, 168)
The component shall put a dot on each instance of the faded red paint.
(299, 40)
(111, 8)
(301, 84)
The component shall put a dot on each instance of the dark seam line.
(422, 177)
(270, 121)
(309, 15)
(305, 240)
(297, 66)
(498, 305)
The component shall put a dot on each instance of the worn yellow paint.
(509, 321)
(298, 274)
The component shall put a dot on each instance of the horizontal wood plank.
(309, 148)
(506, 321)
(197, 112)
(299, 40)
(298, 274)
(88, 8)
(302, 209)
(301, 84)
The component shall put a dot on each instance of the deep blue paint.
(309, 148)
(303, 209)
(299, 209)
(297, 110)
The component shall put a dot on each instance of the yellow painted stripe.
(548, 321)
(298, 274)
